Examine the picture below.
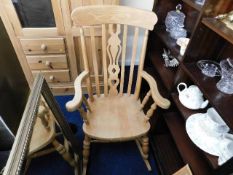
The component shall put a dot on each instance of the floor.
(106, 158)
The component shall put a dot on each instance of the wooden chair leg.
(64, 153)
(144, 150)
(86, 153)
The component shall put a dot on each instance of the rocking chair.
(114, 115)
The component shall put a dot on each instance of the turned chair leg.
(64, 152)
(143, 147)
(86, 153)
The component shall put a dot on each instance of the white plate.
(205, 138)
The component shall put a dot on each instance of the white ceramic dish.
(204, 137)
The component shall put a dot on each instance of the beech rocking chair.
(114, 115)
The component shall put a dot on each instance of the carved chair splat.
(115, 115)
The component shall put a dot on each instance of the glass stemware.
(226, 83)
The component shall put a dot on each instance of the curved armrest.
(158, 99)
(77, 100)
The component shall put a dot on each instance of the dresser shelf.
(209, 39)
(220, 28)
(186, 113)
(221, 102)
(188, 151)
(192, 4)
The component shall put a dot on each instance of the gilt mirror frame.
(17, 158)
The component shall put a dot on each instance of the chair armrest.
(158, 99)
(75, 103)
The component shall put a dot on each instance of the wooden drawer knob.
(43, 47)
(51, 77)
(48, 63)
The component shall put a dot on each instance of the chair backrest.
(115, 22)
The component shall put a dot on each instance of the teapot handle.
(181, 84)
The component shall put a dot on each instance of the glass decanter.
(175, 19)
(178, 32)
(226, 83)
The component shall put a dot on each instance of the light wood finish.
(15, 42)
(85, 61)
(41, 137)
(64, 28)
(43, 45)
(114, 51)
(184, 171)
(62, 89)
(123, 58)
(141, 64)
(86, 153)
(77, 100)
(115, 116)
(104, 57)
(87, 32)
(142, 154)
(39, 32)
(37, 62)
(158, 99)
(78, 3)
(55, 76)
(56, 5)
(134, 52)
(109, 14)
(12, 17)
(44, 133)
(94, 59)
(69, 38)
(145, 99)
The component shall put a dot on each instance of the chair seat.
(41, 137)
(116, 118)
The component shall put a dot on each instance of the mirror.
(12, 100)
(35, 13)
(42, 132)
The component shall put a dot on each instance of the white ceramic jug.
(191, 97)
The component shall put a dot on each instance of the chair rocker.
(114, 115)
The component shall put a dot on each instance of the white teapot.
(191, 97)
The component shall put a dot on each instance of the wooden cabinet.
(44, 40)
(43, 46)
(209, 39)
(47, 62)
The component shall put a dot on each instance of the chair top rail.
(113, 14)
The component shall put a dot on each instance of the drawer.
(49, 62)
(43, 45)
(55, 76)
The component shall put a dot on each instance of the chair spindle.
(94, 60)
(86, 66)
(145, 99)
(134, 53)
(150, 111)
(123, 58)
(141, 65)
(104, 57)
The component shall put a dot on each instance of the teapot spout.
(204, 104)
